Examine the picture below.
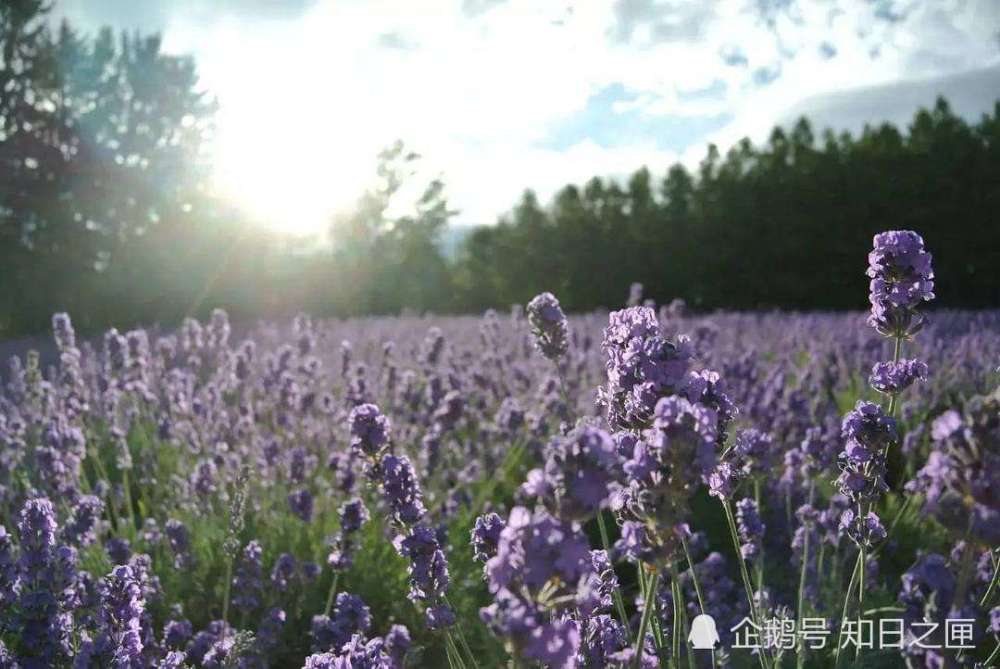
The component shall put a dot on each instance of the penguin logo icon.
(703, 634)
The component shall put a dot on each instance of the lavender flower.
(816, 454)
(59, 459)
(893, 378)
(151, 534)
(535, 548)
(549, 325)
(868, 433)
(750, 527)
(173, 660)
(542, 569)
(927, 594)
(401, 490)
(961, 480)
(301, 504)
(439, 616)
(554, 643)
(322, 661)
(119, 642)
(579, 470)
(753, 451)
(355, 653)
(204, 640)
(428, 570)
(448, 412)
(636, 544)
(42, 629)
(432, 347)
(350, 616)
(353, 514)
(605, 578)
(203, 479)
(510, 416)
(270, 628)
(62, 330)
(864, 530)
(723, 480)
(346, 355)
(642, 367)
(324, 633)
(301, 464)
(84, 520)
(675, 454)
(634, 295)
(369, 430)
(180, 543)
(310, 571)
(486, 536)
(119, 550)
(397, 644)
(602, 641)
(901, 278)
(707, 388)
(283, 572)
(247, 579)
(176, 633)
(8, 570)
(751, 455)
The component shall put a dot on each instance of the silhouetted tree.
(778, 225)
(104, 211)
(101, 146)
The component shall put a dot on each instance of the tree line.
(785, 224)
(105, 211)
(102, 169)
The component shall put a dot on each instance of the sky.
(502, 95)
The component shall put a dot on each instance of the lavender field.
(519, 489)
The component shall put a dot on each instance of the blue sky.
(499, 95)
(612, 117)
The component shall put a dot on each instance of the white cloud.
(895, 102)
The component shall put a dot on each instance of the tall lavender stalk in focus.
(119, 643)
(670, 422)
(395, 478)
(42, 626)
(551, 331)
(901, 279)
(549, 325)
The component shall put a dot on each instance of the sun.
(298, 128)
(285, 158)
(282, 179)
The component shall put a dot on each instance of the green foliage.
(101, 151)
(763, 226)
(382, 263)
(379, 574)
